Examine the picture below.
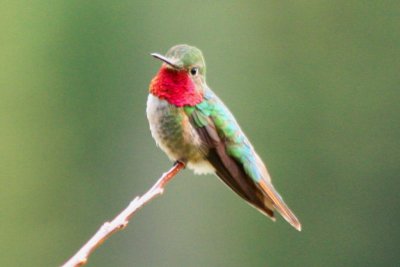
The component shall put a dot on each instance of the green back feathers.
(213, 113)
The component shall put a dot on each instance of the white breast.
(177, 142)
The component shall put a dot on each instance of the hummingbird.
(192, 125)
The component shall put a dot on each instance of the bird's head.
(181, 78)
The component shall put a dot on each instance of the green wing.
(224, 147)
(234, 159)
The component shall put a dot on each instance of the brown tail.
(279, 204)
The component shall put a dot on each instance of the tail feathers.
(277, 201)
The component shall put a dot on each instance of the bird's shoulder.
(217, 126)
(213, 113)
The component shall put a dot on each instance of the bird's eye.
(194, 71)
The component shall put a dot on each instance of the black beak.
(166, 60)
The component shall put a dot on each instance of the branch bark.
(122, 219)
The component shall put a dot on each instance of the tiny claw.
(178, 162)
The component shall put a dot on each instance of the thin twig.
(122, 219)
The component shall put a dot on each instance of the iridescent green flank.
(212, 110)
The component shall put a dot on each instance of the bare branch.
(122, 219)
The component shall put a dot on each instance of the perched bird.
(192, 125)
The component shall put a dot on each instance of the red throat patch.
(176, 87)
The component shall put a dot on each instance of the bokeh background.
(314, 84)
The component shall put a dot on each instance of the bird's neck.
(176, 87)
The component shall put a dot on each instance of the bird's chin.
(201, 167)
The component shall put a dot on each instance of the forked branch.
(122, 219)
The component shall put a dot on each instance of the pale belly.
(173, 133)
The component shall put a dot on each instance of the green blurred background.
(314, 84)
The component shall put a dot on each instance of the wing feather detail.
(234, 159)
(227, 168)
